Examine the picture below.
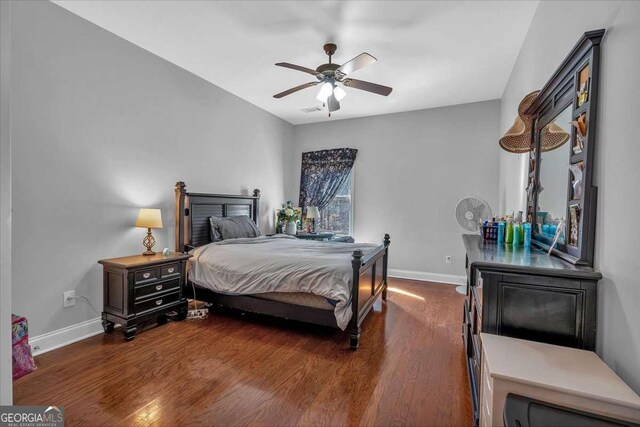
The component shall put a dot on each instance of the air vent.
(311, 109)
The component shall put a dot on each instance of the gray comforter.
(279, 264)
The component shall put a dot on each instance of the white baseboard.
(424, 276)
(65, 336)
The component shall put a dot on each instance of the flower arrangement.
(287, 218)
(288, 213)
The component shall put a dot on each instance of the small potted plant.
(287, 217)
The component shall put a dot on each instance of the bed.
(247, 274)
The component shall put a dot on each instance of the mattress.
(278, 265)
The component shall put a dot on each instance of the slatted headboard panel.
(194, 209)
(199, 213)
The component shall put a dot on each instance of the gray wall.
(101, 128)
(554, 30)
(5, 204)
(412, 169)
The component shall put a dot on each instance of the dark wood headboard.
(194, 209)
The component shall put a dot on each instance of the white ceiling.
(431, 53)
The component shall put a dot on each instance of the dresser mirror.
(554, 177)
(561, 201)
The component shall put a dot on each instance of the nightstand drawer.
(170, 270)
(155, 303)
(146, 275)
(141, 292)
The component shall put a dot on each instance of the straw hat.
(518, 138)
(553, 136)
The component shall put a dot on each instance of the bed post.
(256, 206)
(354, 324)
(181, 191)
(385, 265)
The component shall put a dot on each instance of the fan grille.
(471, 211)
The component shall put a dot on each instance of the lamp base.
(148, 242)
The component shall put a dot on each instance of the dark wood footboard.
(369, 281)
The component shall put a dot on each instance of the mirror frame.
(556, 95)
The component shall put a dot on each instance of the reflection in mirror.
(554, 175)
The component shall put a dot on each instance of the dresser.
(140, 288)
(563, 376)
(524, 293)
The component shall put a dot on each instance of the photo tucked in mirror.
(554, 176)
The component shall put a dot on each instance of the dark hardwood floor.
(249, 370)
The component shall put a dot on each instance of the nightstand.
(320, 235)
(140, 288)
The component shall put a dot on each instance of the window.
(338, 216)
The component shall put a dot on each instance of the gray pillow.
(233, 227)
(214, 228)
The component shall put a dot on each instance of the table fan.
(470, 213)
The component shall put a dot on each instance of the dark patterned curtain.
(322, 175)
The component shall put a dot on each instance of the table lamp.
(149, 218)
(312, 214)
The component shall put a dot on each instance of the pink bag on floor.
(22, 360)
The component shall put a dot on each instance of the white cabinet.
(561, 375)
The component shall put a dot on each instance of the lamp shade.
(325, 91)
(149, 218)
(313, 212)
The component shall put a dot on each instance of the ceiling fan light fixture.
(332, 103)
(339, 93)
(325, 92)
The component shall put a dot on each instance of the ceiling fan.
(329, 75)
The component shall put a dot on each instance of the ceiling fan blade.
(294, 89)
(356, 63)
(368, 86)
(332, 103)
(298, 67)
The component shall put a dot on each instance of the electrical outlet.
(69, 299)
(447, 259)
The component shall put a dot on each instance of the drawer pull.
(171, 270)
(146, 275)
(159, 287)
(159, 302)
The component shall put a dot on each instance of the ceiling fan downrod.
(330, 49)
